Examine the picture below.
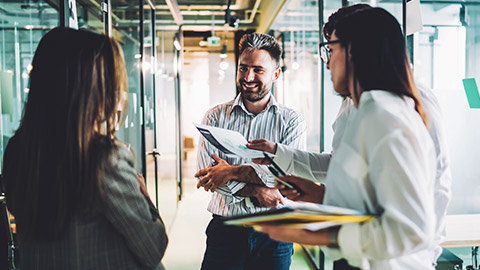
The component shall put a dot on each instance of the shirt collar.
(272, 104)
(383, 95)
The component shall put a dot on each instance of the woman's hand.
(143, 187)
(301, 236)
(262, 145)
(305, 190)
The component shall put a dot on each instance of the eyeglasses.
(325, 52)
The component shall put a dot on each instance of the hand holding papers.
(230, 142)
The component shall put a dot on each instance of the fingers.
(201, 172)
(211, 186)
(203, 181)
(261, 161)
(217, 158)
(291, 194)
(257, 145)
(140, 177)
(295, 180)
(257, 141)
(207, 186)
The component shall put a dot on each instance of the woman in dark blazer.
(72, 187)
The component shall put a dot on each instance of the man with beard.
(242, 189)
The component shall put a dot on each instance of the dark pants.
(233, 247)
(343, 265)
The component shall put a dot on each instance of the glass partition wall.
(146, 37)
(22, 25)
(445, 52)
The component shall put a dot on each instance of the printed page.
(228, 141)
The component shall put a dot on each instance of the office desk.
(463, 231)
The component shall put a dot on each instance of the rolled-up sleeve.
(304, 164)
(128, 211)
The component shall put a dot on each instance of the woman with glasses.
(71, 185)
(385, 163)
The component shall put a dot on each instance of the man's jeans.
(233, 247)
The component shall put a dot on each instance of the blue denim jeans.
(242, 248)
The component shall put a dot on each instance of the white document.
(414, 17)
(320, 225)
(322, 208)
(230, 142)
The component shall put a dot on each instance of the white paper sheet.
(230, 142)
(414, 17)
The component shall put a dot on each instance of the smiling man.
(238, 188)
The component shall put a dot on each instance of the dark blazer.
(123, 236)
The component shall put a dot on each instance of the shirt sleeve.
(296, 133)
(205, 160)
(401, 174)
(128, 211)
(304, 164)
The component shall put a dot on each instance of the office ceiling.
(203, 15)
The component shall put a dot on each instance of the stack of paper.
(301, 215)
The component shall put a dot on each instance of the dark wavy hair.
(375, 41)
(52, 163)
(261, 42)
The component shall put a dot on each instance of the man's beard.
(253, 96)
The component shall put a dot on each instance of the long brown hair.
(52, 163)
(378, 54)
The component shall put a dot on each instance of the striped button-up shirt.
(275, 123)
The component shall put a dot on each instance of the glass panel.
(165, 107)
(89, 15)
(446, 51)
(332, 100)
(167, 136)
(148, 73)
(127, 32)
(298, 87)
(23, 24)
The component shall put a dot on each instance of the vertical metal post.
(107, 17)
(475, 258)
(155, 153)
(178, 55)
(404, 17)
(408, 39)
(142, 93)
(68, 14)
(18, 110)
(63, 8)
(322, 79)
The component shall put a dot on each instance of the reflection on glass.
(128, 35)
(447, 51)
(165, 115)
(23, 23)
(298, 87)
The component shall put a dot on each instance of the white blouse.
(313, 166)
(385, 166)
